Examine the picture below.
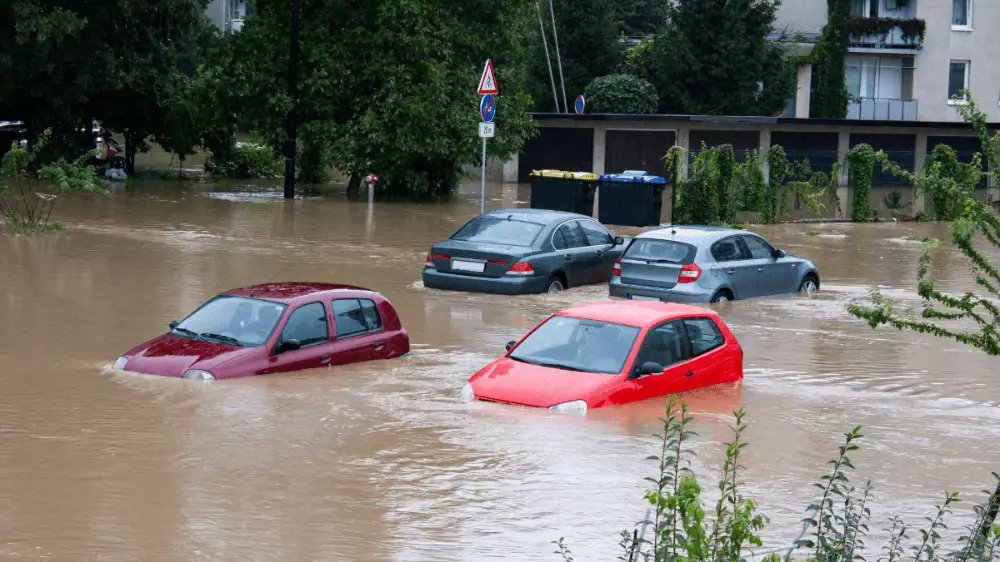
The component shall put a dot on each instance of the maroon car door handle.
(378, 345)
(324, 357)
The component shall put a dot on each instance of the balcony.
(882, 110)
(885, 34)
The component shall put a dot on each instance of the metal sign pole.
(482, 189)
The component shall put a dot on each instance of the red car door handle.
(689, 374)
(325, 357)
(378, 345)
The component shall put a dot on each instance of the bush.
(684, 526)
(861, 162)
(621, 93)
(27, 199)
(245, 161)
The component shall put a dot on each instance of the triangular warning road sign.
(488, 82)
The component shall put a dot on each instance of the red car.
(611, 353)
(273, 328)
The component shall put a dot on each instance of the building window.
(864, 8)
(961, 14)
(958, 80)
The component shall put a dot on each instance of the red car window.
(664, 344)
(307, 324)
(703, 334)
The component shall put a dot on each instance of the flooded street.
(382, 461)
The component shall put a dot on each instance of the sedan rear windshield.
(576, 344)
(661, 251)
(499, 231)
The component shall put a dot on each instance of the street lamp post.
(291, 121)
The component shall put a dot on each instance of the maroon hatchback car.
(274, 328)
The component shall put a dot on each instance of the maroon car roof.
(289, 291)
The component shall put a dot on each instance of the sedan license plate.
(643, 298)
(468, 265)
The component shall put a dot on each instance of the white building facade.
(227, 15)
(893, 74)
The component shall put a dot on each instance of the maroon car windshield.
(233, 320)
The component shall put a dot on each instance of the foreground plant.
(27, 198)
(677, 527)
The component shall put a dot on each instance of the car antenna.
(253, 292)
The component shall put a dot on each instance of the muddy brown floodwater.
(382, 461)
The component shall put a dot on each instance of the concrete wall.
(941, 45)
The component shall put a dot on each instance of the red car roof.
(289, 291)
(634, 313)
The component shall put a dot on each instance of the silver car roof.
(692, 234)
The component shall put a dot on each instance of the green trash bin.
(631, 198)
(558, 190)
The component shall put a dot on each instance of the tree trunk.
(131, 146)
(180, 167)
(354, 187)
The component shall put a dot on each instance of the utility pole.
(555, 36)
(291, 121)
(548, 60)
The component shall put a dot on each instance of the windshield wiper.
(186, 332)
(661, 260)
(220, 337)
(547, 364)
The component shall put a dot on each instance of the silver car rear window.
(652, 249)
(499, 231)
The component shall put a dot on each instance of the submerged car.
(701, 264)
(273, 328)
(610, 353)
(517, 251)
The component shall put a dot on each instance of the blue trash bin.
(631, 198)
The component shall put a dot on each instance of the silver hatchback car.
(699, 264)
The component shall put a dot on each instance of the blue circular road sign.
(488, 108)
(579, 104)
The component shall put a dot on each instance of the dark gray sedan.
(517, 251)
(700, 264)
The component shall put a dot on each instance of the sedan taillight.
(521, 268)
(689, 273)
(432, 256)
(616, 270)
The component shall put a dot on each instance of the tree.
(974, 317)
(639, 17)
(829, 99)
(620, 93)
(385, 87)
(588, 47)
(63, 63)
(714, 58)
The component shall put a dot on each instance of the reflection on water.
(382, 460)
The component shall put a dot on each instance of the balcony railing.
(882, 110)
(886, 33)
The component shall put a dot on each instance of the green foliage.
(893, 201)
(714, 58)
(941, 309)
(638, 59)
(385, 87)
(942, 167)
(717, 187)
(829, 98)
(245, 161)
(913, 30)
(680, 528)
(861, 164)
(24, 206)
(588, 47)
(639, 17)
(64, 62)
(834, 530)
(620, 93)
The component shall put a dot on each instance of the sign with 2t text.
(486, 130)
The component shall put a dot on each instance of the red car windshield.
(234, 320)
(576, 344)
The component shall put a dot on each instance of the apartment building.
(894, 74)
(227, 15)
